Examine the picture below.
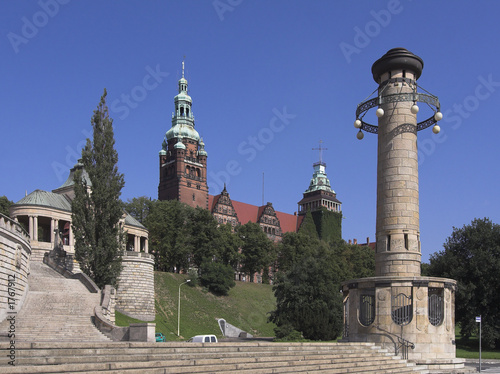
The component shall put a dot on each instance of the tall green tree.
(295, 247)
(138, 207)
(471, 256)
(169, 229)
(217, 277)
(96, 208)
(308, 298)
(356, 261)
(228, 246)
(203, 236)
(5, 203)
(257, 250)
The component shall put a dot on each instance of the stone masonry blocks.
(135, 294)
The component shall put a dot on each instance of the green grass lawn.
(245, 307)
(470, 348)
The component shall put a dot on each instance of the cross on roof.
(320, 149)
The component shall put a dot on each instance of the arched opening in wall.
(401, 305)
(436, 306)
(367, 307)
(182, 111)
(187, 112)
(198, 173)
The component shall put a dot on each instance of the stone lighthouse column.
(397, 230)
(410, 315)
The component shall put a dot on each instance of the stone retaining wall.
(15, 252)
(135, 295)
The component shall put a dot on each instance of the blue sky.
(269, 79)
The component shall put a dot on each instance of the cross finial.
(320, 149)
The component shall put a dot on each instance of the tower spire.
(183, 67)
(320, 149)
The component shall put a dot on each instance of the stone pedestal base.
(414, 317)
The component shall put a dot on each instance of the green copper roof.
(71, 178)
(131, 221)
(181, 129)
(319, 181)
(201, 151)
(47, 199)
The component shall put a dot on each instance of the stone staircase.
(251, 357)
(56, 309)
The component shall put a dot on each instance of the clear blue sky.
(247, 62)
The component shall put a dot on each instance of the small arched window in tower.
(182, 111)
(367, 307)
(436, 306)
(187, 112)
(198, 173)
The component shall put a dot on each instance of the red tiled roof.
(246, 212)
(251, 213)
(289, 222)
(212, 200)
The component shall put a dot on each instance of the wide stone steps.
(256, 358)
(56, 309)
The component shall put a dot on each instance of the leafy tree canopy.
(96, 209)
(217, 277)
(5, 203)
(308, 297)
(168, 225)
(471, 256)
(138, 207)
(258, 252)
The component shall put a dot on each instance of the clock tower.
(183, 159)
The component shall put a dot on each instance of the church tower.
(183, 159)
(320, 193)
(321, 200)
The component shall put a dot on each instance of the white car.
(203, 339)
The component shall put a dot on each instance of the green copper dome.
(320, 181)
(183, 130)
(201, 151)
(179, 144)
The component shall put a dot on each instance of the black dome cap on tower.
(397, 58)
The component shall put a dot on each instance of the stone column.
(53, 238)
(146, 249)
(398, 233)
(35, 228)
(30, 224)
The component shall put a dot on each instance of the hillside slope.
(245, 307)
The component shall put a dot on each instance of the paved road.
(487, 366)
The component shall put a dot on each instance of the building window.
(436, 306)
(367, 308)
